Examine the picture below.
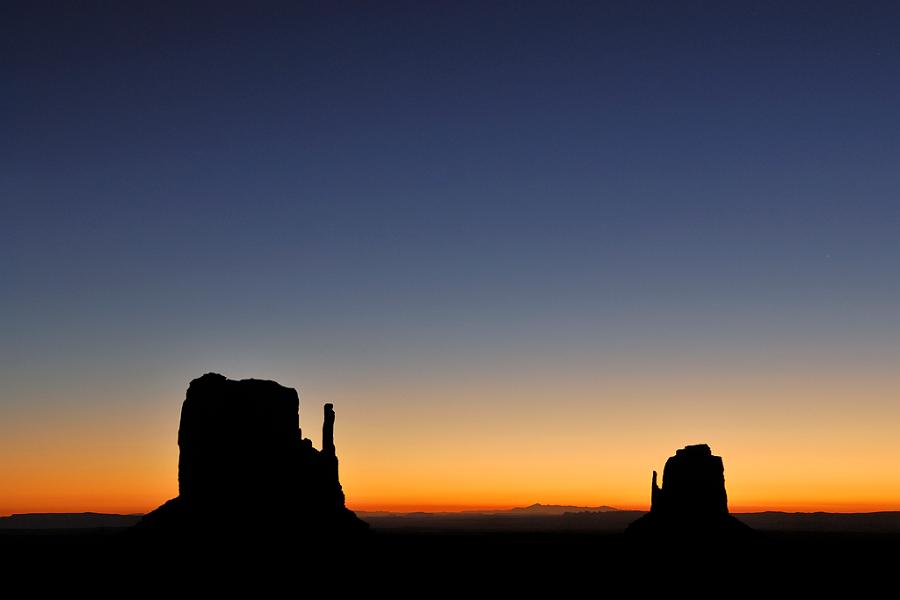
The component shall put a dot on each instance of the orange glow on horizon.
(800, 508)
(120, 506)
(795, 443)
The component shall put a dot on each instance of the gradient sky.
(527, 252)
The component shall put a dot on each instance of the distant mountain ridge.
(871, 522)
(85, 520)
(538, 516)
(557, 509)
(536, 509)
(586, 519)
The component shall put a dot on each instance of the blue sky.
(415, 189)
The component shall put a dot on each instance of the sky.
(528, 250)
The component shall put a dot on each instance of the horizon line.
(834, 508)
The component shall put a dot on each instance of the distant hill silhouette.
(615, 521)
(536, 509)
(578, 519)
(556, 509)
(692, 502)
(819, 522)
(86, 520)
(610, 521)
(245, 466)
(536, 517)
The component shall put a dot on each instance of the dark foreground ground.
(459, 563)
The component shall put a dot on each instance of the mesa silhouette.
(245, 466)
(692, 502)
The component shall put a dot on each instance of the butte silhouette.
(244, 467)
(692, 502)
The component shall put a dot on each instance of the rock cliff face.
(692, 499)
(245, 466)
(693, 484)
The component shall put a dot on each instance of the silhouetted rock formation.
(245, 467)
(692, 500)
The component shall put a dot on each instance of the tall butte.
(245, 467)
(692, 501)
